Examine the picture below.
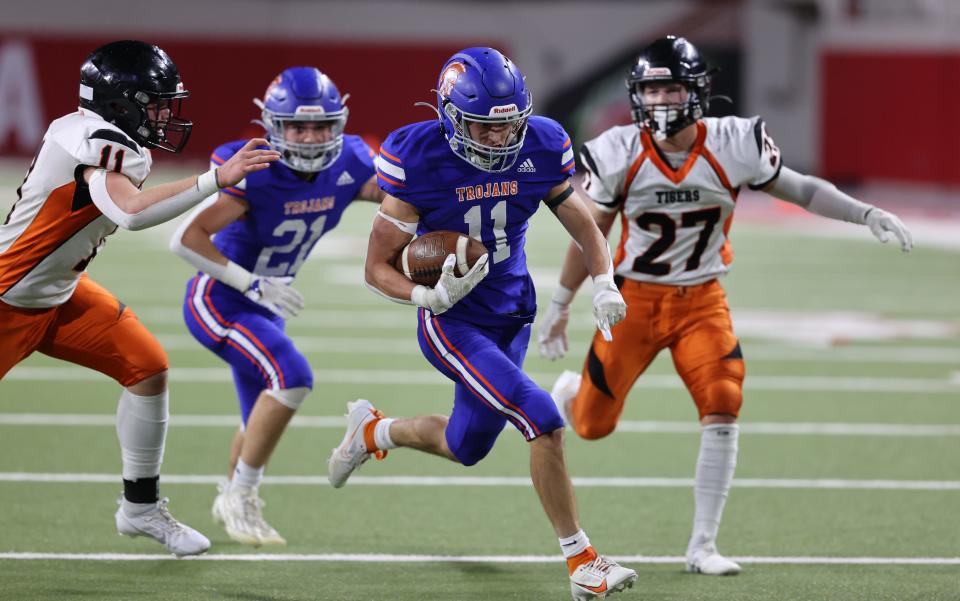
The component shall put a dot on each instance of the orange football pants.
(92, 329)
(693, 322)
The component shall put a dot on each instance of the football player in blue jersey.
(483, 169)
(262, 230)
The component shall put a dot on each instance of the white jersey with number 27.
(676, 220)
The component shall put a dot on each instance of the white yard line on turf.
(645, 427)
(388, 558)
(506, 481)
(754, 352)
(423, 377)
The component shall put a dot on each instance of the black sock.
(142, 490)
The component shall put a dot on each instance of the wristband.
(236, 277)
(208, 183)
(418, 296)
(562, 295)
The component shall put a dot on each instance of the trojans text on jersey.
(488, 190)
(310, 205)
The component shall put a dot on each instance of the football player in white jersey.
(85, 182)
(673, 177)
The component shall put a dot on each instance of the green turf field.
(848, 483)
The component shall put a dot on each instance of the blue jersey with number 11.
(416, 165)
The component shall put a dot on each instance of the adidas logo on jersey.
(526, 167)
(345, 179)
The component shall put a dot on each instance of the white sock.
(135, 509)
(381, 434)
(574, 544)
(142, 430)
(246, 476)
(715, 466)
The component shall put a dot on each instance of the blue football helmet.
(304, 94)
(481, 85)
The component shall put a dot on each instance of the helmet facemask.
(160, 124)
(301, 156)
(665, 120)
(492, 159)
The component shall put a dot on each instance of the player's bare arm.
(129, 207)
(393, 228)
(582, 227)
(823, 198)
(196, 231)
(192, 242)
(608, 305)
(574, 270)
(371, 192)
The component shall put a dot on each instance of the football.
(422, 259)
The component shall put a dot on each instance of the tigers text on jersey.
(287, 215)
(675, 221)
(416, 165)
(54, 229)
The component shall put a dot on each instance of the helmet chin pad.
(665, 120)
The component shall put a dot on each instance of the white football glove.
(608, 305)
(552, 335)
(881, 222)
(276, 294)
(450, 289)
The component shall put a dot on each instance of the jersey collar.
(656, 155)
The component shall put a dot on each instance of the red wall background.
(891, 116)
(383, 80)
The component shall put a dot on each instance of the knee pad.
(290, 398)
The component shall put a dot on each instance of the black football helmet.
(665, 60)
(136, 86)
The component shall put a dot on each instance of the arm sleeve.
(155, 214)
(818, 196)
(230, 274)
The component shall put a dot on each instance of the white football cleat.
(159, 525)
(711, 563)
(352, 452)
(601, 577)
(240, 511)
(563, 391)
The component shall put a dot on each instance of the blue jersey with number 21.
(287, 215)
(416, 165)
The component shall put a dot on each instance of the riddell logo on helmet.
(507, 109)
(449, 78)
(310, 109)
(658, 72)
